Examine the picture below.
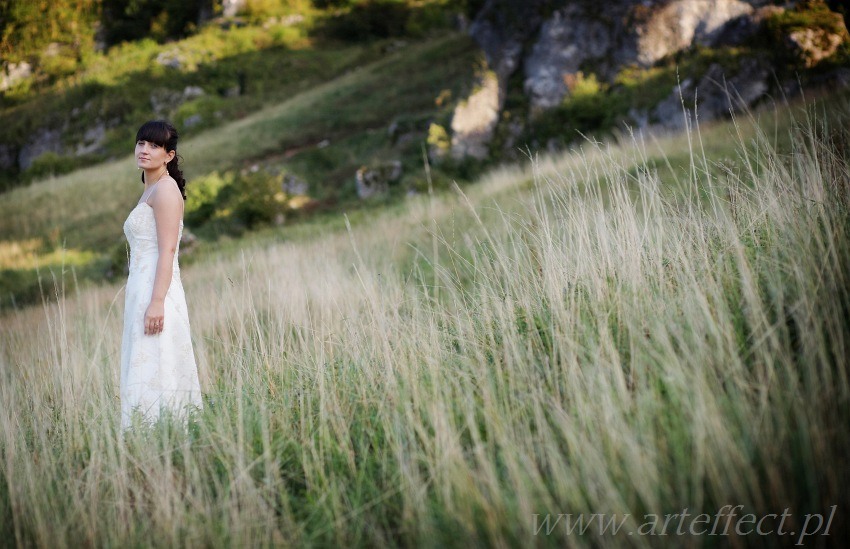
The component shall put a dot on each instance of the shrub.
(51, 164)
(202, 196)
(366, 21)
(256, 198)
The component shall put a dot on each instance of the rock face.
(502, 28)
(45, 140)
(92, 139)
(475, 119)
(571, 37)
(230, 8)
(630, 32)
(715, 95)
(681, 23)
(553, 42)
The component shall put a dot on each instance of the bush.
(256, 198)
(127, 20)
(52, 164)
(202, 196)
(231, 202)
(366, 21)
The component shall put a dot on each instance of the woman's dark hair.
(165, 135)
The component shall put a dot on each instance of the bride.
(158, 369)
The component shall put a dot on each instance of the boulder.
(376, 180)
(13, 73)
(192, 92)
(294, 185)
(813, 45)
(170, 59)
(475, 119)
(230, 8)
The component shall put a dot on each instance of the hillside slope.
(334, 128)
(629, 329)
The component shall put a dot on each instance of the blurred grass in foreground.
(592, 341)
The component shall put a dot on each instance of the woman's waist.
(149, 262)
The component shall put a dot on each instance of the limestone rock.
(193, 92)
(475, 119)
(376, 180)
(13, 73)
(502, 27)
(92, 139)
(714, 95)
(813, 45)
(230, 8)
(566, 40)
(680, 23)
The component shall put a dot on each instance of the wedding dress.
(158, 372)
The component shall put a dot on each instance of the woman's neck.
(153, 176)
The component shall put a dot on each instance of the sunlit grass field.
(639, 327)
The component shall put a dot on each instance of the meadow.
(639, 326)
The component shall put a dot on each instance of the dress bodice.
(140, 230)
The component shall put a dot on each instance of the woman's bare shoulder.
(167, 193)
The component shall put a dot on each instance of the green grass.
(572, 336)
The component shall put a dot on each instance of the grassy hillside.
(76, 218)
(631, 329)
(278, 107)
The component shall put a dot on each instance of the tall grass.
(576, 338)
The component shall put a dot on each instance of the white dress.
(157, 371)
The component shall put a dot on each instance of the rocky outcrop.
(230, 8)
(475, 119)
(554, 42)
(502, 28)
(92, 140)
(629, 33)
(715, 95)
(44, 140)
(679, 24)
(570, 37)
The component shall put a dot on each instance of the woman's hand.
(154, 317)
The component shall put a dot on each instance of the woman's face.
(150, 156)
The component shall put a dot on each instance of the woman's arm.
(167, 204)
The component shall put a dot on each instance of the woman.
(158, 369)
